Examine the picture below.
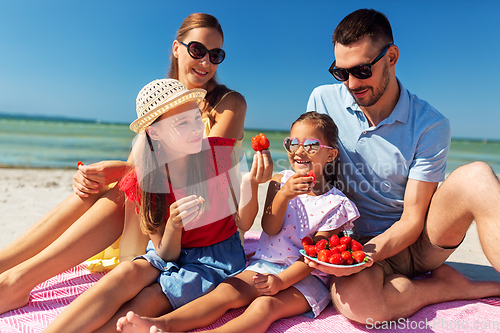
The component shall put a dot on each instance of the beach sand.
(28, 194)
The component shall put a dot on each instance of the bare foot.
(133, 323)
(461, 287)
(14, 294)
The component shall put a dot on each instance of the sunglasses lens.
(197, 50)
(361, 72)
(311, 146)
(291, 145)
(217, 56)
(340, 74)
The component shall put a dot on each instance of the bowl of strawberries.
(342, 252)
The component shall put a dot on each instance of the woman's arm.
(230, 117)
(93, 178)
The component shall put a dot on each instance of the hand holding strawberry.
(260, 142)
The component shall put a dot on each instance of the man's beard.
(375, 94)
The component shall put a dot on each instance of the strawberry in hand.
(260, 142)
(311, 174)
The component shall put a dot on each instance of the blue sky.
(89, 59)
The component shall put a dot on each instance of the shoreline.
(26, 194)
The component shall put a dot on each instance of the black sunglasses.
(361, 72)
(197, 51)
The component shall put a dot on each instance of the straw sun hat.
(158, 97)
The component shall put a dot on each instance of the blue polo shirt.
(376, 162)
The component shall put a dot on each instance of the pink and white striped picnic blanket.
(51, 297)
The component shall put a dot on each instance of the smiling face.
(366, 92)
(179, 131)
(195, 73)
(299, 160)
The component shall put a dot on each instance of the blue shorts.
(311, 287)
(198, 270)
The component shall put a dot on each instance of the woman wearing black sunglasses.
(94, 216)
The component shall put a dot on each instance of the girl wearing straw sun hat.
(180, 189)
(95, 213)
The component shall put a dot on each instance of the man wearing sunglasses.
(393, 150)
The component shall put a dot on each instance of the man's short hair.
(362, 23)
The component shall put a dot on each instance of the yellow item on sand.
(132, 243)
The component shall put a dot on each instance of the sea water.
(50, 143)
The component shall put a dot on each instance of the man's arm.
(400, 235)
(407, 230)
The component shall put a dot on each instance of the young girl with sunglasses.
(277, 283)
(181, 187)
(93, 217)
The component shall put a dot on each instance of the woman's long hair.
(193, 21)
(154, 185)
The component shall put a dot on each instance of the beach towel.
(48, 299)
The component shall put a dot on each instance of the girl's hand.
(262, 167)
(298, 183)
(267, 284)
(183, 211)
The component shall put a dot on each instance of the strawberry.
(307, 241)
(346, 255)
(336, 259)
(342, 247)
(335, 249)
(311, 174)
(260, 142)
(334, 241)
(358, 256)
(345, 240)
(324, 255)
(356, 246)
(78, 164)
(321, 244)
(310, 250)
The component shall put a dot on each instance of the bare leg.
(394, 296)
(45, 231)
(471, 192)
(150, 302)
(79, 242)
(233, 293)
(265, 310)
(98, 304)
